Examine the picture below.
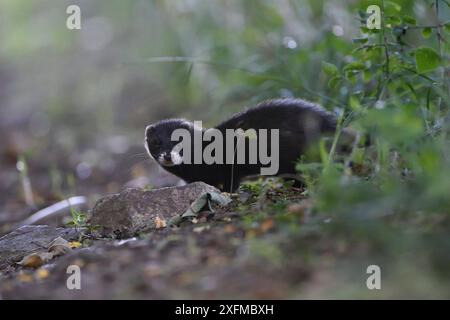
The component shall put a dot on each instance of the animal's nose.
(167, 157)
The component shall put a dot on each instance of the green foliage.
(330, 69)
(398, 94)
(427, 59)
(78, 218)
(426, 32)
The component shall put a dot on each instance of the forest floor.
(266, 244)
(223, 256)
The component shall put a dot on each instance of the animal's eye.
(152, 141)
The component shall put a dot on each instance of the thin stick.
(386, 50)
(26, 183)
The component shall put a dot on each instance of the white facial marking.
(176, 158)
(145, 142)
(162, 161)
(148, 150)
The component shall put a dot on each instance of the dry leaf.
(160, 223)
(152, 270)
(74, 244)
(249, 234)
(296, 208)
(200, 229)
(42, 273)
(302, 209)
(58, 241)
(35, 260)
(229, 228)
(59, 246)
(266, 225)
(79, 262)
(25, 277)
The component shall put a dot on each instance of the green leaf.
(329, 68)
(426, 32)
(334, 82)
(354, 103)
(393, 20)
(367, 75)
(360, 40)
(392, 5)
(364, 30)
(354, 66)
(426, 59)
(447, 27)
(409, 20)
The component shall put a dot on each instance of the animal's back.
(300, 123)
(284, 114)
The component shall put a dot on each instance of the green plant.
(78, 218)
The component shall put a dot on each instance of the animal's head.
(159, 144)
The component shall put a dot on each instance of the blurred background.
(74, 103)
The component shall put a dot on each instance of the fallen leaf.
(25, 277)
(266, 225)
(42, 273)
(202, 203)
(249, 234)
(160, 223)
(229, 228)
(59, 246)
(79, 262)
(35, 260)
(200, 229)
(302, 209)
(152, 270)
(74, 244)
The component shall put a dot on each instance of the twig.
(437, 26)
(60, 208)
(441, 53)
(26, 183)
(385, 42)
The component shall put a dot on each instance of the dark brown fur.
(300, 123)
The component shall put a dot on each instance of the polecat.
(300, 124)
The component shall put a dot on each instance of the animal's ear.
(196, 125)
(149, 129)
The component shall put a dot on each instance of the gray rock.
(134, 211)
(28, 239)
